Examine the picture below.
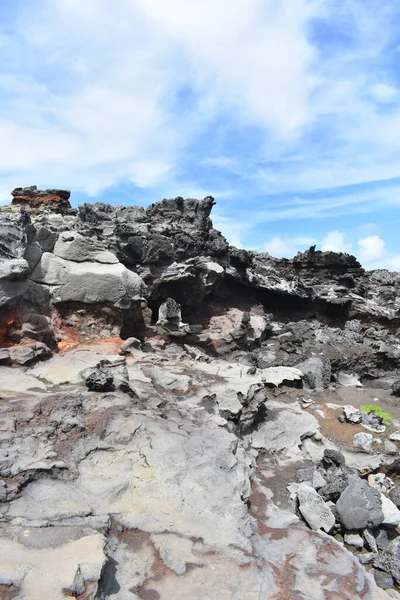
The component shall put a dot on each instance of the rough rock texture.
(179, 463)
(359, 506)
(31, 197)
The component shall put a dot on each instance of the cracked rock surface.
(175, 412)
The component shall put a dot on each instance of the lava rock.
(334, 488)
(363, 441)
(100, 380)
(383, 580)
(353, 538)
(395, 389)
(333, 458)
(359, 506)
(394, 495)
(317, 372)
(352, 415)
(314, 510)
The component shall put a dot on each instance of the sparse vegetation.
(385, 416)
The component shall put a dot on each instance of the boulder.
(391, 514)
(359, 505)
(352, 414)
(11, 291)
(312, 476)
(363, 441)
(333, 458)
(28, 353)
(14, 269)
(108, 375)
(383, 580)
(99, 380)
(89, 282)
(314, 510)
(317, 372)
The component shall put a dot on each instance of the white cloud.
(99, 99)
(99, 92)
(382, 92)
(368, 229)
(287, 247)
(335, 242)
(371, 248)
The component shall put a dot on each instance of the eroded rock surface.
(169, 411)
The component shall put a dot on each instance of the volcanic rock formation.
(182, 419)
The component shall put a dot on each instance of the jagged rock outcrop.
(34, 199)
(105, 270)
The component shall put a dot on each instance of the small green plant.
(385, 416)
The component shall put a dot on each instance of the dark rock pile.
(363, 514)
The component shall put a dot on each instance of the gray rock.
(317, 372)
(389, 562)
(89, 282)
(253, 407)
(383, 580)
(359, 506)
(13, 238)
(196, 353)
(70, 245)
(100, 380)
(169, 314)
(351, 414)
(333, 458)
(29, 353)
(33, 254)
(129, 344)
(366, 558)
(10, 291)
(334, 488)
(14, 269)
(363, 440)
(394, 495)
(391, 514)
(314, 510)
(395, 389)
(349, 380)
(353, 538)
(279, 376)
(390, 448)
(312, 476)
(370, 541)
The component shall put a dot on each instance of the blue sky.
(286, 111)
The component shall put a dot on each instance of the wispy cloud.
(285, 110)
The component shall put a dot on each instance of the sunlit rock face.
(169, 411)
(34, 199)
